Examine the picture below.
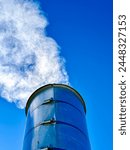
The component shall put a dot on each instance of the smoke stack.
(56, 119)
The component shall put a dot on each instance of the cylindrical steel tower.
(56, 120)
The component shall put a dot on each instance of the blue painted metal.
(56, 119)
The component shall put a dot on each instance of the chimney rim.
(53, 85)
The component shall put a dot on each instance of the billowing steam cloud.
(28, 58)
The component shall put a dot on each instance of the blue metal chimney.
(56, 120)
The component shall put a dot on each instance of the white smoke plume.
(28, 58)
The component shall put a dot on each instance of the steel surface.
(56, 119)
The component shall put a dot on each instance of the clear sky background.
(83, 30)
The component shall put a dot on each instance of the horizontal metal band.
(53, 121)
(49, 148)
(50, 101)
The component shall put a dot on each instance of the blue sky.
(83, 30)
